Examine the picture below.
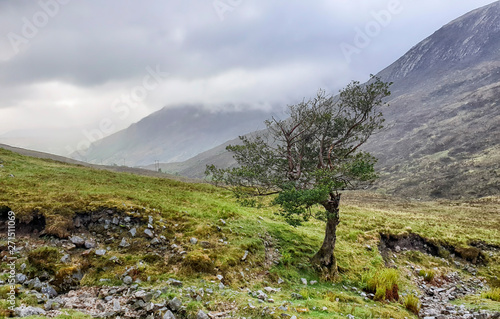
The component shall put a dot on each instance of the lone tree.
(309, 157)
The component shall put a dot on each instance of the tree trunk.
(325, 257)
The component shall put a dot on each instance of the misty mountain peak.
(441, 131)
(175, 134)
(465, 41)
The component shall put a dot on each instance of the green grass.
(59, 191)
(412, 303)
(384, 284)
(427, 274)
(492, 294)
(478, 302)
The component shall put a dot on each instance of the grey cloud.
(90, 43)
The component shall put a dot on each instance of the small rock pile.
(111, 302)
(435, 302)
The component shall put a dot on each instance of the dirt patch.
(484, 246)
(97, 222)
(390, 244)
(23, 228)
(395, 243)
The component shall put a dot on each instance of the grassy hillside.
(54, 201)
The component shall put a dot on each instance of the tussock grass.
(384, 284)
(493, 294)
(412, 303)
(427, 274)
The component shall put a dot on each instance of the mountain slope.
(442, 136)
(174, 134)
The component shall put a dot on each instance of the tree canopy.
(313, 154)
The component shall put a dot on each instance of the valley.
(128, 245)
(134, 227)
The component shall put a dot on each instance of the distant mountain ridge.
(174, 134)
(442, 137)
(460, 44)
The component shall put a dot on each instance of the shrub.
(493, 294)
(384, 284)
(427, 274)
(412, 303)
(380, 293)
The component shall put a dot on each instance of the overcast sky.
(85, 64)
